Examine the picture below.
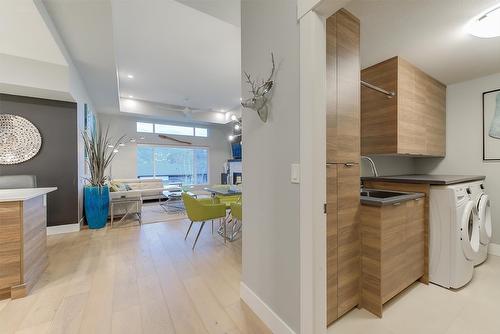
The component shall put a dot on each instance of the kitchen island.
(23, 239)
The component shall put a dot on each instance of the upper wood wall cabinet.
(343, 88)
(411, 123)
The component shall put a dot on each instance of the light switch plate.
(295, 173)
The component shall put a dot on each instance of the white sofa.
(147, 188)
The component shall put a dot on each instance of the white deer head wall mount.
(260, 94)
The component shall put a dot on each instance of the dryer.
(454, 235)
(482, 209)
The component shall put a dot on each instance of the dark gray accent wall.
(56, 164)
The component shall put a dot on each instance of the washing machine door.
(484, 213)
(469, 232)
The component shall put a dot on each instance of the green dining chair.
(236, 211)
(228, 200)
(201, 210)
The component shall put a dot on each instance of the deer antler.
(274, 67)
(267, 84)
(251, 83)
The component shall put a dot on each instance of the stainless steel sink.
(380, 193)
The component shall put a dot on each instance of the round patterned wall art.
(20, 140)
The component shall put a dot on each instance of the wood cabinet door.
(415, 240)
(393, 225)
(379, 119)
(10, 244)
(410, 112)
(349, 246)
(331, 243)
(343, 88)
(434, 113)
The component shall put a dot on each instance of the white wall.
(78, 92)
(271, 249)
(389, 165)
(124, 165)
(28, 77)
(464, 129)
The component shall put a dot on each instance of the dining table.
(228, 223)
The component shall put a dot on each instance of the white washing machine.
(454, 236)
(482, 210)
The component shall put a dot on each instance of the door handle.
(349, 164)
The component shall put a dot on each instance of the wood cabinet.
(342, 157)
(23, 238)
(392, 243)
(411, 187)
(343, 88)
(411, 123)
(343, 239)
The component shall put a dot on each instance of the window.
(173, 164)
(168, 129)
(200, 132)
(173, 130)
(145, 127)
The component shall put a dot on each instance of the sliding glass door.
(175, 165)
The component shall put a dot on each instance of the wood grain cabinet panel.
(10, 245)
(392, 239)
(411, 123)
(23, 246)
(331, 243)
(349, 259)
(342, 157)
(343, 239)
(343, 88)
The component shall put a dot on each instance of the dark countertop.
(404, 197)
(426, 179)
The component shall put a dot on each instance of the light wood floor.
(135, 280)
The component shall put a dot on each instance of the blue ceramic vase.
(96, 206)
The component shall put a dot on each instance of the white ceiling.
(428, 33)
(86, 29)
(23, 33)
(226, 10)
(183, 53)
(178, 54)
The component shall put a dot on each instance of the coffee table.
(129, 202)
(174, 203)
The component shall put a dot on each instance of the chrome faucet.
(372, 165)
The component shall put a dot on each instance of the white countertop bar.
(14, 195)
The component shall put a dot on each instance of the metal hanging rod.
(378, 89)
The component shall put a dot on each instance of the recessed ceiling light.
(237, 127)
(130, 76)
(121, 144)
(230, 137)
(487, 24)
(131, 96)
(234, 118)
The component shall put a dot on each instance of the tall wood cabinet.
(342, 156)
(411, 123)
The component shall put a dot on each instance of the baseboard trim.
(494, 249)
(263, 311)
(59, 229)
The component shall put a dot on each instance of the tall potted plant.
(100, 152)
